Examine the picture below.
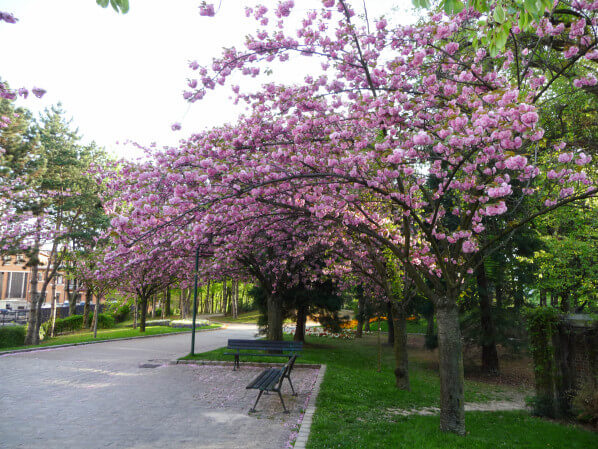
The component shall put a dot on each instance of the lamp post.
(194, 303)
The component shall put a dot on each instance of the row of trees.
(416, 164)
(409, 164)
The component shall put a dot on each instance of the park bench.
(268, 348)
(271, 379)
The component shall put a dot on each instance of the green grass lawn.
(107, 334)
(247, 317)
(354, 407)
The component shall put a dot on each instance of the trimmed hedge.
(11, 336)
(105, 321)
(64, 325)
(75, 322)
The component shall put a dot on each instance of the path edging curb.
(303, 435)
(242, 364)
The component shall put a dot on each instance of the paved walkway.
(124, 395)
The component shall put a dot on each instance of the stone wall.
(584, 339)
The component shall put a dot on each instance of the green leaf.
(124, 6)
(524, 21)
(530, 7)
(419, 4)
(499, 14)
(102, 3)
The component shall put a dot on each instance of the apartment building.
(15, 283)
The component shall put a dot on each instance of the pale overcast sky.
(121, 77)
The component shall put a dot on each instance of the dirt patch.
(515, 370)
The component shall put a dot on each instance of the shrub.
(158, 312)
(64, 325)
(11, 336)
(331, 322)
(105, 321)
(122, 313)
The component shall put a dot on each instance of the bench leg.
(283, 406)
(236, 364)
(256, 401)
(291, 383)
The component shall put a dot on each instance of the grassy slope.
(247, 317)
(355, 406)
(106, 334)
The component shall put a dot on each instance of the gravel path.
(126, 395)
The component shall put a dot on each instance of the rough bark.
(235, 298)
(38, 309)
(52, 309)
(300, 325)
(399, 321)
(143, 303)
(86, 307)
(167, 303)
(96, 312)
(274, 318)
(72, 295)
(31, 338)
(490, 363)
(450, 358)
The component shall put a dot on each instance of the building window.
(20, 258)
(6, 259)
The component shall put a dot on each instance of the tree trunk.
(52, 310)
(360, 316)
(143, 303)
(38, 310)
(96, 312)
(73, 299)
(153, 306)
(450, 358)
(430, 341)
(390, 322)
(86, 307)
(207, 302)
(274, 318)
(224, 297)
(490, 364)
(565, 303)
(499, 295)
(300, 325)
(135, 312)
(167, 304)
(181, 304)
(399, 322)
(212, 309)
(554, 299)
(542, 298)
(235, 298)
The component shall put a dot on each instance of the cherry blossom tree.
(409, 137)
